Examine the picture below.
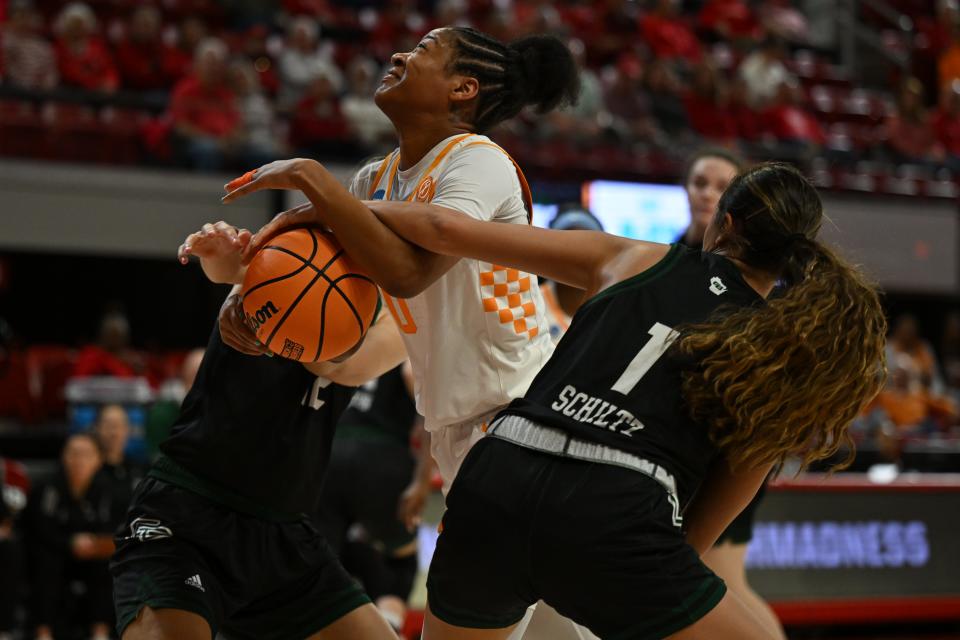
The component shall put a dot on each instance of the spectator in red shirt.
(190, 33)
(392, 29)
(204, 110)
(946, 123)
(84, 59)
(146, 63)
(667, 35)
(319, 127)
(254, 49)
(28, 59)
(909, 131)
(729, 20)
(747, 121)
(609, 26)
(111, 355)
(706, 105)
(796, 130)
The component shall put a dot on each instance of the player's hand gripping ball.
(304, 297)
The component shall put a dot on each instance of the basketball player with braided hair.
(476, 333)
(678, 386)
(455, 84)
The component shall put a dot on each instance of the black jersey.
(611, 379)
(381, 409)
(259, 427)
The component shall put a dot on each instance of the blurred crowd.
(56, 534)
(921, 400)
(233, 83)
(57, 519)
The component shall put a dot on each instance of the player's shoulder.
(369, 167)
(479, 146)
(364, 176)
(479, 153)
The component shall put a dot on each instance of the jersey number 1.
(662, 337)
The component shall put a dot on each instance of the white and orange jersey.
(478, 335)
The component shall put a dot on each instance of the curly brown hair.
(787, 377)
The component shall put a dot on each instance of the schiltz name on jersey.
(596, 411)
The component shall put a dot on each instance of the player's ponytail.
(546, 73)
(788, 377)
(536, 71)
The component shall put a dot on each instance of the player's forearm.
(224, 269)
(424, 471)
(381, 351)
(394, 263)
(723, 494)
(575, 258)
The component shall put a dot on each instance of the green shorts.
(247, 576)
(595, 541)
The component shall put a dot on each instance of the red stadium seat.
(16, 401)
(73, 130)
(123, 131)
(22, 131)
(49, 367)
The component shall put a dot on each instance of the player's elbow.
(399, 289)
(402, 280)
(444, 227)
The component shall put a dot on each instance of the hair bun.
(548, 73)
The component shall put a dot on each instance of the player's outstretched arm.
(219, 247)
(723, 494)
(400, 268)
(382, 350)
(589, 260)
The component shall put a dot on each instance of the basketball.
(304, 297)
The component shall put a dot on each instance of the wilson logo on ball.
(305, 298)
(263, 314)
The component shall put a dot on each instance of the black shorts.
(740, 530)
(365, 478)
(595, 541)
(248, 577)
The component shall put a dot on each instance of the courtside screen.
(653, 212)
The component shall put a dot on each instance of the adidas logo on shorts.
(194, 581)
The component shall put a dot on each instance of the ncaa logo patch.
(379, 194)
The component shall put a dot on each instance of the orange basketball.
(305, 298)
